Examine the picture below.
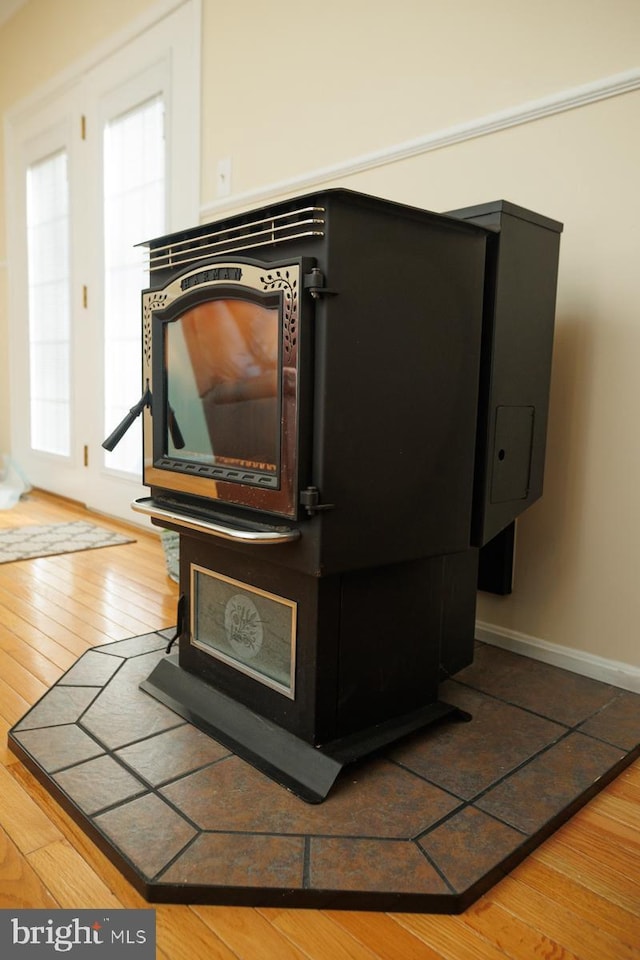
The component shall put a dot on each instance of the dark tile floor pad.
(427, 826)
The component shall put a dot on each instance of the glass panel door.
(88, 165)
(134, 210)
(48, 270)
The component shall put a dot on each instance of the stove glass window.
(223, 385)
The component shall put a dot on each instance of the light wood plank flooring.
(577, 896)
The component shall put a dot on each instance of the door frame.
(166, 39)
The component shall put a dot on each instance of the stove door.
(228, 365)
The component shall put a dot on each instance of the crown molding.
(527, 112)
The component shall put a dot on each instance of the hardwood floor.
(577, 896)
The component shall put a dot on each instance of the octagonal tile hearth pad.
(232, 795)
(428, 825)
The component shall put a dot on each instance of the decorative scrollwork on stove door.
(281, 280)
(150, 302)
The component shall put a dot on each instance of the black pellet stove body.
(345, 406)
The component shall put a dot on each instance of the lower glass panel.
(245, 627)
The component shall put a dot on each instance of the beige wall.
(317, 85)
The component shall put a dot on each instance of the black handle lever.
(174, 429)
(114, 438)
(145, 401)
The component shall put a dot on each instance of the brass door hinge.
(86, 455)
(83, 127)
(85, 296)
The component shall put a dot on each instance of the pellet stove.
(345, 407)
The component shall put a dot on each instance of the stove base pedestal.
(307, 771)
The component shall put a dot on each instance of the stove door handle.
(260, 536)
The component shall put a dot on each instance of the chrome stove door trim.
(218, 529)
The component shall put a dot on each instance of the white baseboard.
(577, 661)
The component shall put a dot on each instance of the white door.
(97, 168)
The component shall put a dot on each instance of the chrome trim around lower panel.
(237, 534)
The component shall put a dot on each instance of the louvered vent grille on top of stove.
(304, 222)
